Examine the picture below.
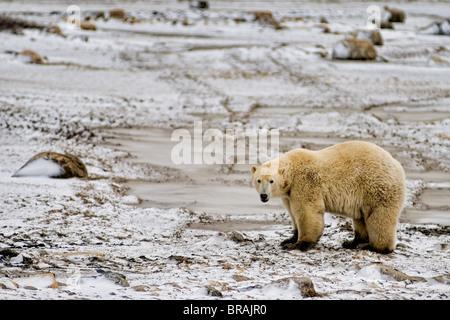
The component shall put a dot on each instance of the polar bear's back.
(354, 175)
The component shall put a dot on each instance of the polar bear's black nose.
(264, 197)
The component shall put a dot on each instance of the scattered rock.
(96, 15)
(438, 61)
(354, 49)
(198, 4)
(237, 237)
(322, 27)
(395, 15)
(21, 259)
(443, 279)
(239, 277)
(117, 14)
(8, 253)
(16, 25)
(398, 275)
(86, 25)
(437, 28)
(180, 259)
(29, 56)
(54, 29)
(7, 284)
(75, 253)
(53, 165)
(14, 257)
(386, 25)
(213, 292)
(116, 277)
(226, 266)
(373, 36)
(265, 18)
(304, 284)
(140, 288)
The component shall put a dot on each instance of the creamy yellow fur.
(356, 179)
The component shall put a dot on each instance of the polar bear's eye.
(271, 181)
(259, 181)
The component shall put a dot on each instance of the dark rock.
(398, 275)
(237, 237)
(354, 49)
(70, 166)
(118, 278)
(31, 57)
(117, 14)
(386, 25)
(240, 277)
(54, 29)
(395, 15)
(86, 25)
(213, 292)
(8, 253)
(16, 25)
(180, 259)
(304, 284)
(438, 28)
(373, 36)
(443, 279)
(266, 18)
(198, 4)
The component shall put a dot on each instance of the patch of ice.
(130, 199)
(95, 286)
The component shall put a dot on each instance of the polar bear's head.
(268, 180)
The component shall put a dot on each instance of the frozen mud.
(142, 227)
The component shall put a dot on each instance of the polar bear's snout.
(264, 197)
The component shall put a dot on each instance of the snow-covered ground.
(108, 96)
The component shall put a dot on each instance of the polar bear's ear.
(281, 170)
(254, 169)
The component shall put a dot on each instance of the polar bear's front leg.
(294, 238)
(286, 243)
(310, 222)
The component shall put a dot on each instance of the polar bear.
(357, 179)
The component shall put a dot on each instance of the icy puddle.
(212, 189)
(226, 189)
(427, 111)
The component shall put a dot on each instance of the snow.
(160, 74)
(445, 27)
(341, 50)
(38, 282)
(371, 273)
(40, 167)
